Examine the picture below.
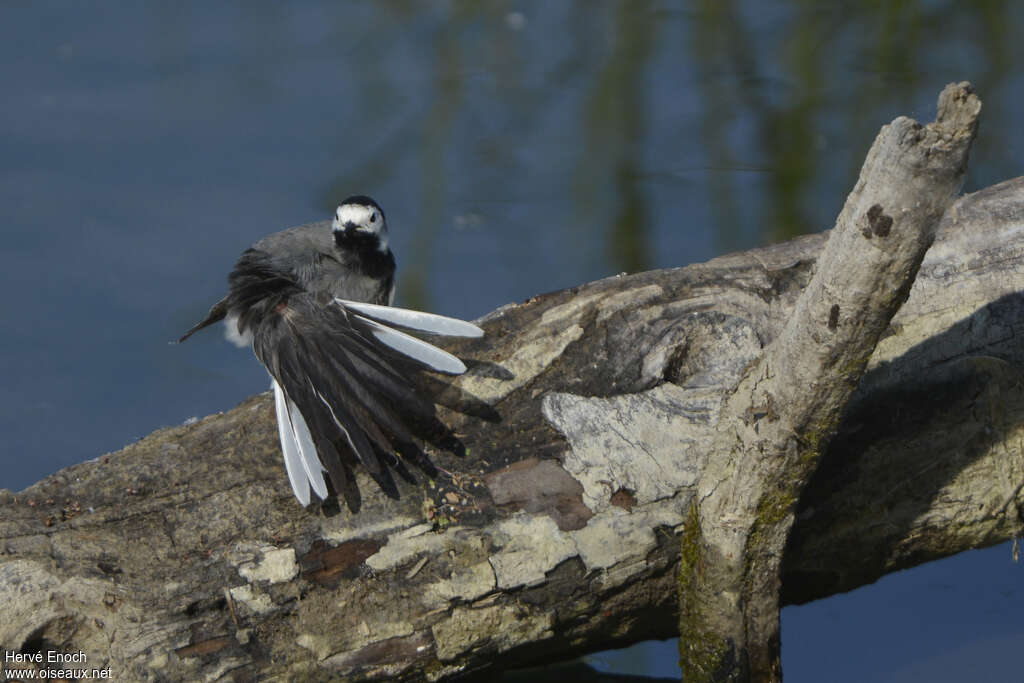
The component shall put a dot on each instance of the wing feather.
(416, 320)
(417, 349)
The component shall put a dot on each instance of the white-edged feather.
(310, 462)
(292, 460)
(337, 421)
(417, 320)
(417, 349)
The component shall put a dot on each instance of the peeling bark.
(184, 556)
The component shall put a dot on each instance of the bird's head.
(359, 223)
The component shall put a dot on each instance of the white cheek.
(353, 214)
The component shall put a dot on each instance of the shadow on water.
(576, 671)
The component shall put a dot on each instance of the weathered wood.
(185, 557)
(772, 430)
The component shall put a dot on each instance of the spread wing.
(344, 394)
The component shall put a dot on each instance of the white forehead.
(356, 213)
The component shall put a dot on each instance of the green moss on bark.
(702, 653)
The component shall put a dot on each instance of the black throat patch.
(365, 248)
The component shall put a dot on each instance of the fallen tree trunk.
(185, 557)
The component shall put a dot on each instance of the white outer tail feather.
(310, 460)
(300, 458)
(292, 461)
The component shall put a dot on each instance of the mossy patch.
(702, 653)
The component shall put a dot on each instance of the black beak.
(347, 233)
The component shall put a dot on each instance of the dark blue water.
(516, 147)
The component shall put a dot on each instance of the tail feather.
(342, 477)
(307, 451)
(292, 460)
(344, 394)
(398, 408)
(304, 378)
(338, 458)
(368, 388)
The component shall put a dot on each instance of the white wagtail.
(315, 304)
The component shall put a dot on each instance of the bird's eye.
(373, 218)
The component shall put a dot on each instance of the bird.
(314, 303)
